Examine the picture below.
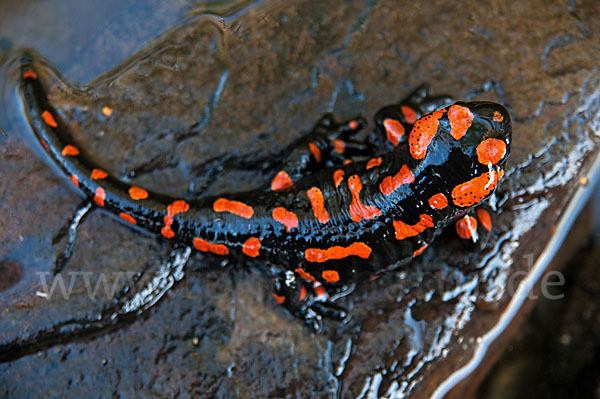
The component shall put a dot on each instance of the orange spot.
(75, 180)
(438, 201)
(475, 190)
(107, 111)
(422, 133)
(30, 74)
(484, 218)
(491, 151)
(305, 275)
(498, 117)
(404, 230)
(460, 120)
(353, 125)
(374, 162)
(420, 250)
(347, 161)
(70, 150)
(252, 247)
(285, 217)
(391, 183)
(173, 209)
(410, 116)
(127, 217)
(137, 193)
(319, 290)
(280, 181)
(338, 176)
(358, 210)
(279, 299)
(99, 196)
(394, 130)
(235, 207)
(302, 292)
(331, 276)
(205, 246)
(339, 146)
(315, 151)
(318, 204)
(466, 227)
(359, 249)
(98, 174)
(500, 172)
(49, 119)
(166, 231)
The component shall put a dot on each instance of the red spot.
(359, 249)
(127, 217)
(374, 277)
(98, 174)
(353, 125)
(235, 207)
(319, 290)
(252, 247)
(205, 246)
(279, 299)
(318, 204)
(466, 227)
(420, 250)
(305, 275)
(173, 209)
(438, 201)
(422, 133)
(410, 116)
(358, 210)
(491, 151)
(285, 217)
(75, 180)
(498, 117)
(137, 193)
(99, 196)
(374, 162)
(331, 276)
(484, 218)
(391, 183)
(460, 120)
(30, 74)
(394, 130)
(70, 150)
(49, 119)
(338, 176)
(339, 146)
(315, 151)
(281, 181)
(404, 230)
(347, 161)
(302, 292)
(475, 190)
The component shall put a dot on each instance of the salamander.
(333, 212)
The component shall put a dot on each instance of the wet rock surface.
(208, 109)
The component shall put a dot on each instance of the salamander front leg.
(474, 228)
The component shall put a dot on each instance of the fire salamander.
(328, 216)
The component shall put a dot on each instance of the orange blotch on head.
(99, 196)
(315, 151)
(394, 130)
(392, 183)
(302, 292)
(497, 117)
(137, 193)
(98, 174)
(374, 162)
(70, 150)
(339, 146)
(279, 299)
(419, 251)
(423, 131)
(75, 180)
(281, 181)
(236, 207)
(127, 217)
(491, 151)
(466, 227)
(338, 177)
(49, 119)
(252, 247)
(318, 204)
(107, 111)
(353, 125)
(359, 249)
(285, 217)
(484, 218)
(410, 116)
(404, 230)
(205, 246)
(460, 119)
(29, 74)
(357, 209)
(331, 276)
(438, 201)
(475, 190)
(306, 276)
